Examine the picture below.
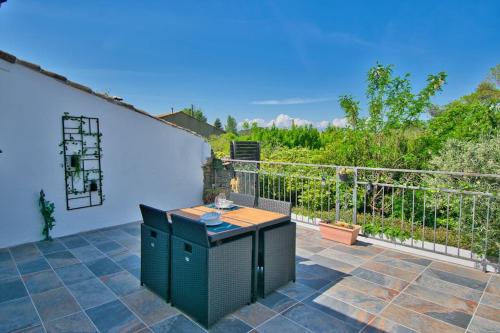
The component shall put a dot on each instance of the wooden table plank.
(254, 216)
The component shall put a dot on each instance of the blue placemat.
(222, 227)
(212, 205)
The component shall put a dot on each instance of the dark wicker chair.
(282, 207)
(276, 249)
(242, 199)
(209, 280)
(155, 251)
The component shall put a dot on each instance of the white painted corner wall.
(144, 160)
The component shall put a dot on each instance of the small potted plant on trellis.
(339, 231)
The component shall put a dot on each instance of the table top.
(247, 218)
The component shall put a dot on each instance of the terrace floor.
(89, 282)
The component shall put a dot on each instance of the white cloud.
(285, 121)
(292, 101)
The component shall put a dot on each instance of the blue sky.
(252, 59)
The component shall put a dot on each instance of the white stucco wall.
(144, 160)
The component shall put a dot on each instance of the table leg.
(255, 265)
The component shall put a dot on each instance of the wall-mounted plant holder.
(93, 185)
(81, 148)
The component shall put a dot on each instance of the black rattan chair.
(155, 251)
(282, 207)
(276, 249)
(209, 280)
(242, 199)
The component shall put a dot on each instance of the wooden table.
(249, 219)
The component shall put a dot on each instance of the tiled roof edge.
(168, 114)
(37, 68)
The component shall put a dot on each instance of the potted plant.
(93, 185)
(76, 164)
(210, 194)
(345, 174)
(339, 231)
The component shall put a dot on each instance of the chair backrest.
(242, 199)
(282, 207)
(155, 218)
(190, 230)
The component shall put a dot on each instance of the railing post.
(355, 197)
(337, 194)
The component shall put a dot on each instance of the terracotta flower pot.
(339, 234)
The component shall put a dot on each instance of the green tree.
(231, 125)
(391, 102)
(218, 123)
(246, 125)
(195, 113)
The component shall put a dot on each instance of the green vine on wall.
(47, 210)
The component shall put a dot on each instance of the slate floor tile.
(494, 285)
(311, 280)
(177, 324)
(406, 265)
(457, 279)
(310, 267)
(426, 280)
(461, 271)
(5, 255)
(17, 314)
(25, 252)
(74, 273)
(491, 300)
(350, 315)
(382, 325)
(438, 297)
(229, 324)
(47, 247)
(254, 314)
(90, 293)
(87, 253)
(281, 324)
(34, 329)
(133, 230)
(8, 269)
(483, 325)
(342, 256)
(407, 257)
(103, 266)
(114, 317)
(77, 322)
(488, 312)
(33, 265)
(297, 291)
(149, 307)
(277, 301)
(122, 283)
(399, 273)
(55, 303)
(381, 279)
(61, 259)
(416, 321)
(11, 289)
(128, 261)
(451, 316)
(94, 237)
(332, 263)
(367, 251)
(74, 241)
(368, 288)
(41, 281)
(366, 302)
(110, 247)
(316, 320)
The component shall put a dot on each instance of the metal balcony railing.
(451, 213)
